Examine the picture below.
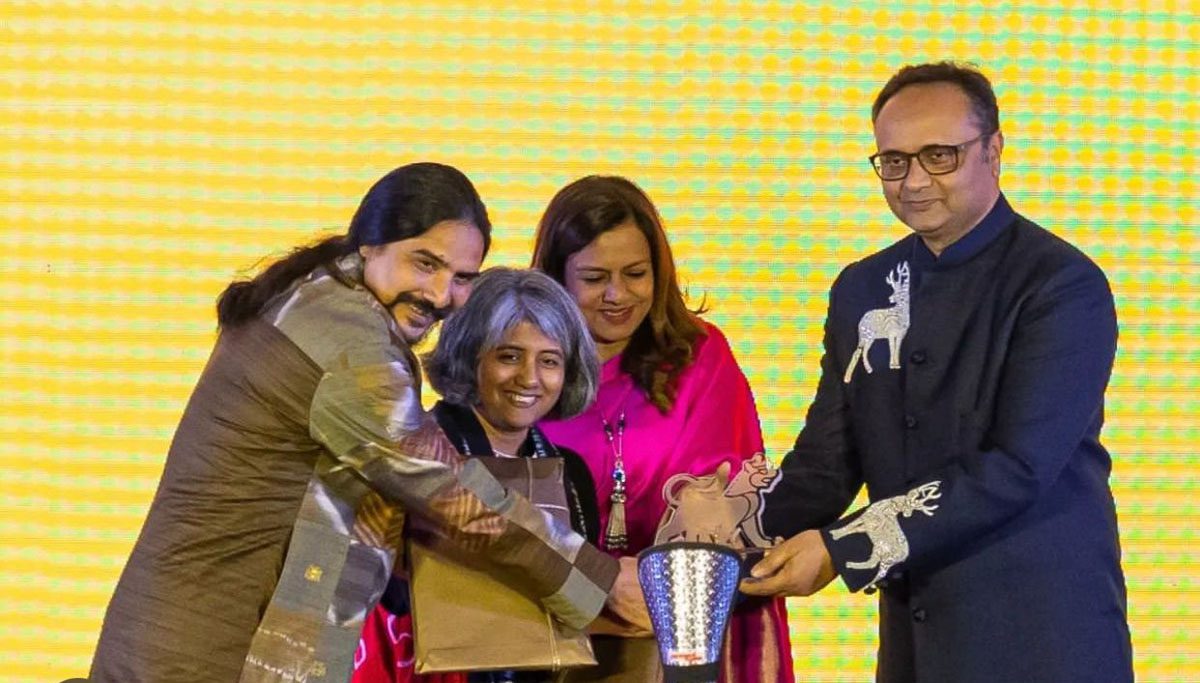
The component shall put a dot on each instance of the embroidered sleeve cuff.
(843, 552)
(866, 546)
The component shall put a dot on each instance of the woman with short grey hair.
(501, 299)
(517, 351)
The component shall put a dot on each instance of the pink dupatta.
(713, 420)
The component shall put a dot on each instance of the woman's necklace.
(539, 447)
(615, 536)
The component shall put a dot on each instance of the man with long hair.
(303, 449)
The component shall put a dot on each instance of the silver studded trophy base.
(690, 590)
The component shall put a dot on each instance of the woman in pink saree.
(672, 400)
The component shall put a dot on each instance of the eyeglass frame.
(917, 154)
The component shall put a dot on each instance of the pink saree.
(713, 420)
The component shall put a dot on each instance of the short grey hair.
(501, 299)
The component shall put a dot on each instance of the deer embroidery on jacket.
(884, 323)
(881, 523)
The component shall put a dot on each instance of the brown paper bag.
(466, 618)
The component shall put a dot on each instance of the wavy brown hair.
(662, 347)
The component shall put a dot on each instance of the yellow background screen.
(151, 151)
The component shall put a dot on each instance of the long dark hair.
(662, 347)
(402, 204)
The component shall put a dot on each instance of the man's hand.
(625, 611)
(799, 566)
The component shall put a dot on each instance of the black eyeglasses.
(935, 159)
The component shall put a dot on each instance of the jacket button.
(910, 422)
(919, 614)
(917, 357)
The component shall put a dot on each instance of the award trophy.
(690, 589)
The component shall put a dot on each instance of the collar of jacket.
(997, 219)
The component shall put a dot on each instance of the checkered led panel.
(154, 150)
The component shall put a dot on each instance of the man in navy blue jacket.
(963, 383)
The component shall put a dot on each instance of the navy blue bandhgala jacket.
(967, 393)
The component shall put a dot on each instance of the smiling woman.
(672, 400)
(520, 380)
(612, 280)
(518, 351)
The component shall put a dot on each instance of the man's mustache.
(427, 309)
